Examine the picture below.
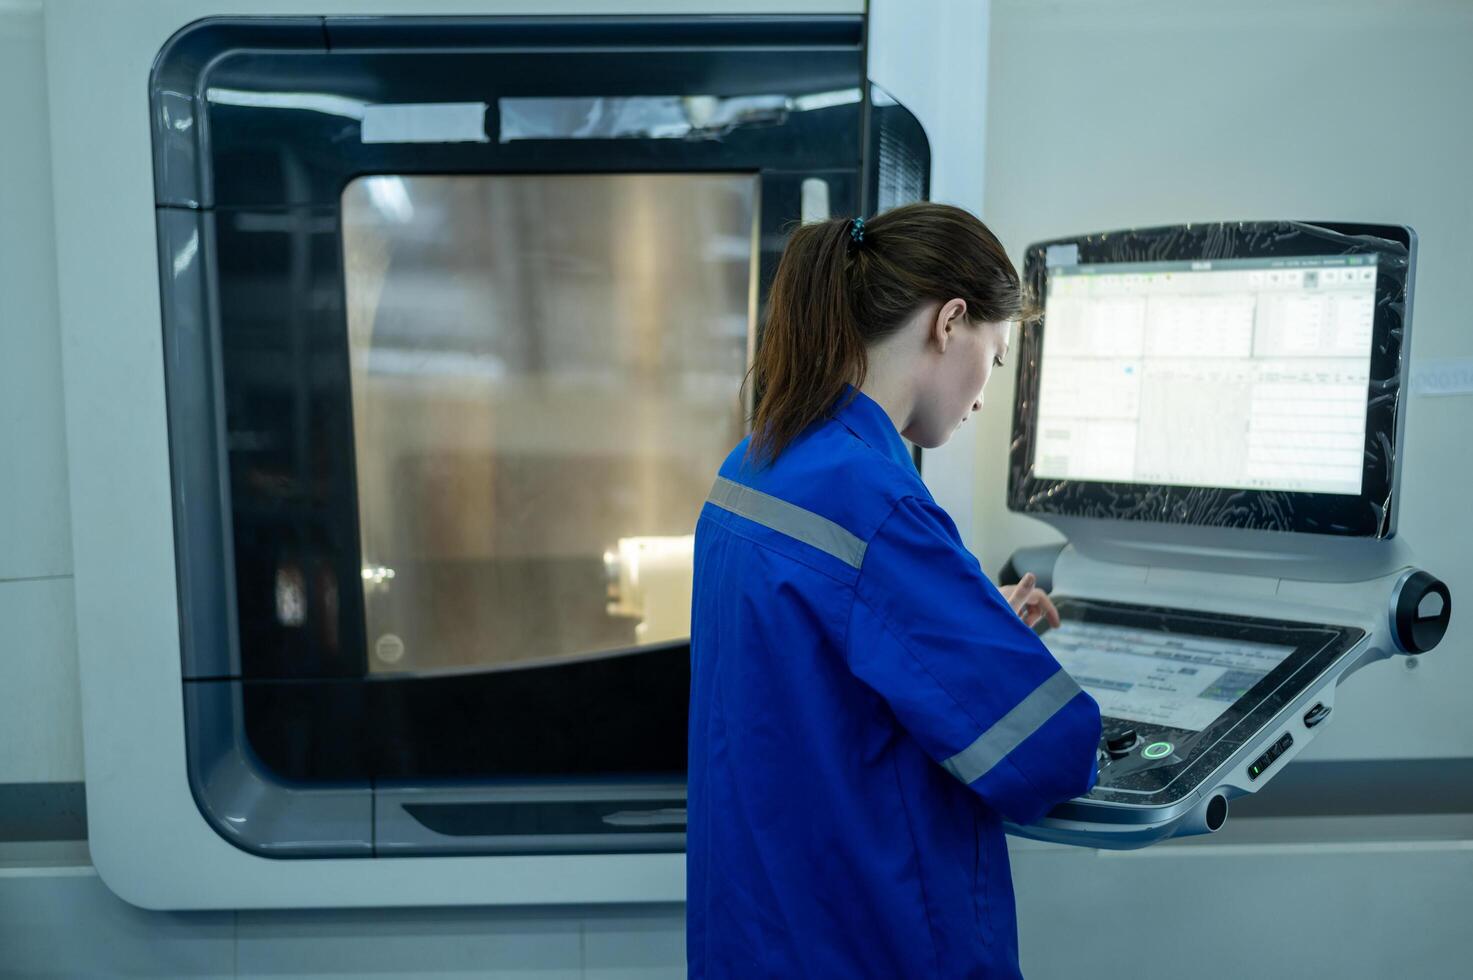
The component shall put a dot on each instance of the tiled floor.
(1355, 902)
(57, 919)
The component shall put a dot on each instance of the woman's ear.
(949, 318)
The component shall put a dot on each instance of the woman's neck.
(891, 390)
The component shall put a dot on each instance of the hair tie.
(856, 231)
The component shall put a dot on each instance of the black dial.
(1121, 743)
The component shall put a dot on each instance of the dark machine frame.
(294, 751)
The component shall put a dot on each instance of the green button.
(1157, 750)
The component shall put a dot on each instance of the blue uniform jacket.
(865, 710)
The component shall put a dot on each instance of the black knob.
(1121, 744)
(1420, 611)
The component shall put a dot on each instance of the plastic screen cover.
(1243, 375)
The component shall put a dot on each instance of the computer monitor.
(1241, 375)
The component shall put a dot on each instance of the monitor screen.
(1248, 373)
(1233, 375)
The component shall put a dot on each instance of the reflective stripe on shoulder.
(1013, 728)
(789, 519)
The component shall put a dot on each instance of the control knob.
(1119, 745)
(1420, 609)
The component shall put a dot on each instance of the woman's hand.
(1030, 602)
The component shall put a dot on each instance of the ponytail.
(811, 346)
(843, 286)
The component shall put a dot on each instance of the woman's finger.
(1021, 591)
(1046, 607)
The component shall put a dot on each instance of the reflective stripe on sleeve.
(1013, 728)
(789, 519)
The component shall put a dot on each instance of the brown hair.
(833, 296)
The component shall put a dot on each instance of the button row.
(1267, 759)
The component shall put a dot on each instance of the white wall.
(923, 52)
(1138, 112)
(40, 721)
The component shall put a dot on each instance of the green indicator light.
(1157, 750)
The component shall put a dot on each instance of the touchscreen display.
(1235, 373)
(1177, 680)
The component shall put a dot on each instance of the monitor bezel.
(1369, 514)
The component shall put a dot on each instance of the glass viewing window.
(545, 377)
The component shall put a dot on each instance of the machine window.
(546, 375)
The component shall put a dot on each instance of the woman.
(866, 707)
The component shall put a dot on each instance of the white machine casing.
(147, 836)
